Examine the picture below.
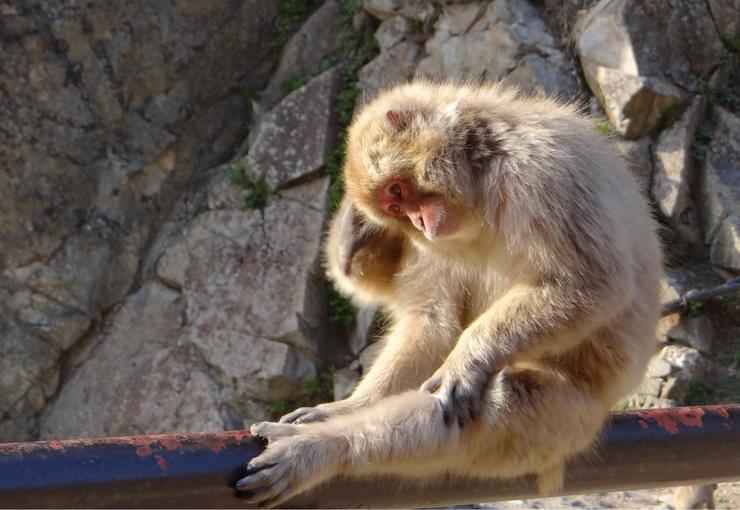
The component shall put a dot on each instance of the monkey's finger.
(272, 431)
(293, 416)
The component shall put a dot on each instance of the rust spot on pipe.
(720, 411)
(643, 424)
(668, 419)
(161, 462)
(144, 451)
(170, 443)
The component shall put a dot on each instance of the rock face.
(674, 173)
(525, 51)
(305, 51)
(108, 110)
(641, 57)
(721, 192)
(281, 156)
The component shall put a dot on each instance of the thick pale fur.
(550, 288)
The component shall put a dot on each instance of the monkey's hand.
(321, 412)
(460, 388)
(295, 459)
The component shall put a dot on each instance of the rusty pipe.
(637, 449)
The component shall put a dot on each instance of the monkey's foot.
(289, 465)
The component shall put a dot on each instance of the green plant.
(415, 25)
(292, 12)
(702, 138)
(341, 309)
(699, 392)
(694, 307)
(276, 409)
(291, 84)
(257, 190)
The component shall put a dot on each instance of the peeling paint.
(161, 462)
(643, 424)
(144, 451)
(668, 419)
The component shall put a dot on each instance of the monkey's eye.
(395, 190)
(394, 209)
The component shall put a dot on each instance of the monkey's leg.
(532, 420)
(413, 350)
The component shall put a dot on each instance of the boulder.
(721, 192)
(674, 173)
(640, 58)
(391, 32)
(726, 17)
(305, 52)
(639, 160)
(525, 52)
(295, 139)
(387, 69)
(102, 131)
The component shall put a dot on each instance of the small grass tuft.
(291, 84)
(699, 392)
(257, 190)
(341, 309)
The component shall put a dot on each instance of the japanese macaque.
(520, 266)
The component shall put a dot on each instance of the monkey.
(694, 496)
(520, 267)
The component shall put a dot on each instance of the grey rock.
(524, 48)
(638, 154)
(256, 272)
(726, 14)
(28, 378)
(721, 192)
(696, 330)
(305, 51)
(551, 76)
(390, 68)
(362, 328)
(674, 173)
(132, 383)
(384, 9)
(650, 386)
(295, 138)
(659, 367)
(369, 355)
(391, 32)
(109, 109)
(687, 360)
(345, 380)
(639, 57)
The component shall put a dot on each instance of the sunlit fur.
(551, 285)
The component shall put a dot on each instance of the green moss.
(292, 84)
(318, 390)
(341, 309)
(699, 392)
(292, 12)
(415, 25)
(257, 190)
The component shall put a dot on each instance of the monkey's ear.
(401, 119)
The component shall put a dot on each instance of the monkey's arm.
(362, 258)
(531, 319)
(414, 348)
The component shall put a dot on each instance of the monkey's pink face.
(400, 199)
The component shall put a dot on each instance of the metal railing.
(638, 449)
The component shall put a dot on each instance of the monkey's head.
(406, 167)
